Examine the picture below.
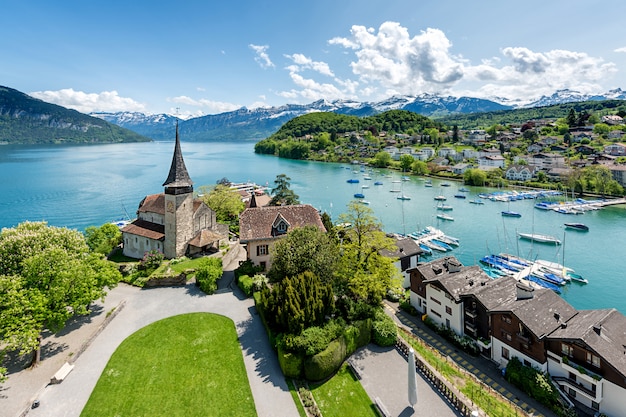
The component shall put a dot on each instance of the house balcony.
(524, 339)
(485, 344)
(580, 371)
(579, 388)
(471, 313)
(470, 329)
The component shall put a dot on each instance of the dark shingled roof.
(145, 229)
(404, 247)
(178, 175)
(543, 313)
(257, 223)
(604, 331)
(497, 292)
(452, 276)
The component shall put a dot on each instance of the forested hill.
(398, 121)
(26, 120)
(520, 116)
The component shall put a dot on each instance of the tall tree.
(405, 162)
(54, 268)
(363, 272)
(104, 238)
(282, 195)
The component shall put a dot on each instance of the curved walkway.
(145, 306)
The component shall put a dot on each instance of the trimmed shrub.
(290, 363)
(384, 330)
(246, 284)
(327, 362)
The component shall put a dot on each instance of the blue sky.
(204, 58)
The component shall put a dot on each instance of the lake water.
(79, 186)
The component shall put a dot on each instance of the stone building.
(173, 222)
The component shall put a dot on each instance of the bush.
(151, 260)
(290, 363)
(384, 330)
(246, 284)
(247, 268)
(314, 339)
(535, 383)
(208, 272)
(325, 363)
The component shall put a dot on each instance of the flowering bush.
(151, 259)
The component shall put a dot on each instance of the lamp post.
(412, 379)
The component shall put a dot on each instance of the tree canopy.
(47, 275)
(226, 203)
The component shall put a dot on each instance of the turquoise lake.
(79, 186)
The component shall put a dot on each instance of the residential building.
(520, 172)
(491, 162)
(406, 254)
(616, 149)
(261, 227)
(545, 161)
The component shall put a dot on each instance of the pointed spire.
(178, 176)
(253, 202)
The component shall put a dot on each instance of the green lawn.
(187, 365)
(343, 395)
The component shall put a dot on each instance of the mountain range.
(259, 123)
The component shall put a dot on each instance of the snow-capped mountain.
(572, 96)
(259, 123)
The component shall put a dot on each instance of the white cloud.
(207, 106)
(622, 49)
(303, 62)
(262, 57)
(106, 101)
(391, 61)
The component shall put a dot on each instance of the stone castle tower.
(178, 206)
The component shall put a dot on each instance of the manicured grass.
(343, 395)
(187, 365)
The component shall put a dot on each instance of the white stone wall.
(136, 246)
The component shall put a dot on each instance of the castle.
(173, 222)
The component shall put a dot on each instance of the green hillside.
(26, 120)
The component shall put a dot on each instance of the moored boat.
(459, 196)
(577, 226)
(359, 195)
(508, 213)
(477, 201)
(352, 181)
(440, 198)
(403, 197)
(540, 238)
(445, 217)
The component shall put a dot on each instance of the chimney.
(597, 328)
(524, 292)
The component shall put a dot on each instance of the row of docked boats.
(432, 239)
(519, 195)
(536, 273)
(578, 206)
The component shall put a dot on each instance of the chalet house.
(612, 119)
(173, 222)
(520, 172)
(587, 359)
(407, 254)
(445, 152)
(534, 147)
(459, 169)
(578, 137)
(437, 288)
(615, 134)
(545, 161)
(560, 174)
(585, 149)
(616, 149)
(618, 172)
(470, 153)
(261, 227)
(425, 153)
(476, 137)
(521, 323)
(583, 351)
(491, 162)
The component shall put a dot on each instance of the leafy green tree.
(282, 195)
(542, 177)
(433, 135)
(419, 167)
(405, 162)
(104, 238)
(55, 268)
(382, 159)
(475, 176)
(363, 272)
(224, 201)
(304, 249)
(601, 128)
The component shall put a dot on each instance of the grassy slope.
(187, 365)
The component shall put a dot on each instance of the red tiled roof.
(146, 229)
(205, 237)
(257, 223)
(154, 203)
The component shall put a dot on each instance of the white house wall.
(437, 311)
(496, 355)
(136, 246)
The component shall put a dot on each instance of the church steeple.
(178, 180)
